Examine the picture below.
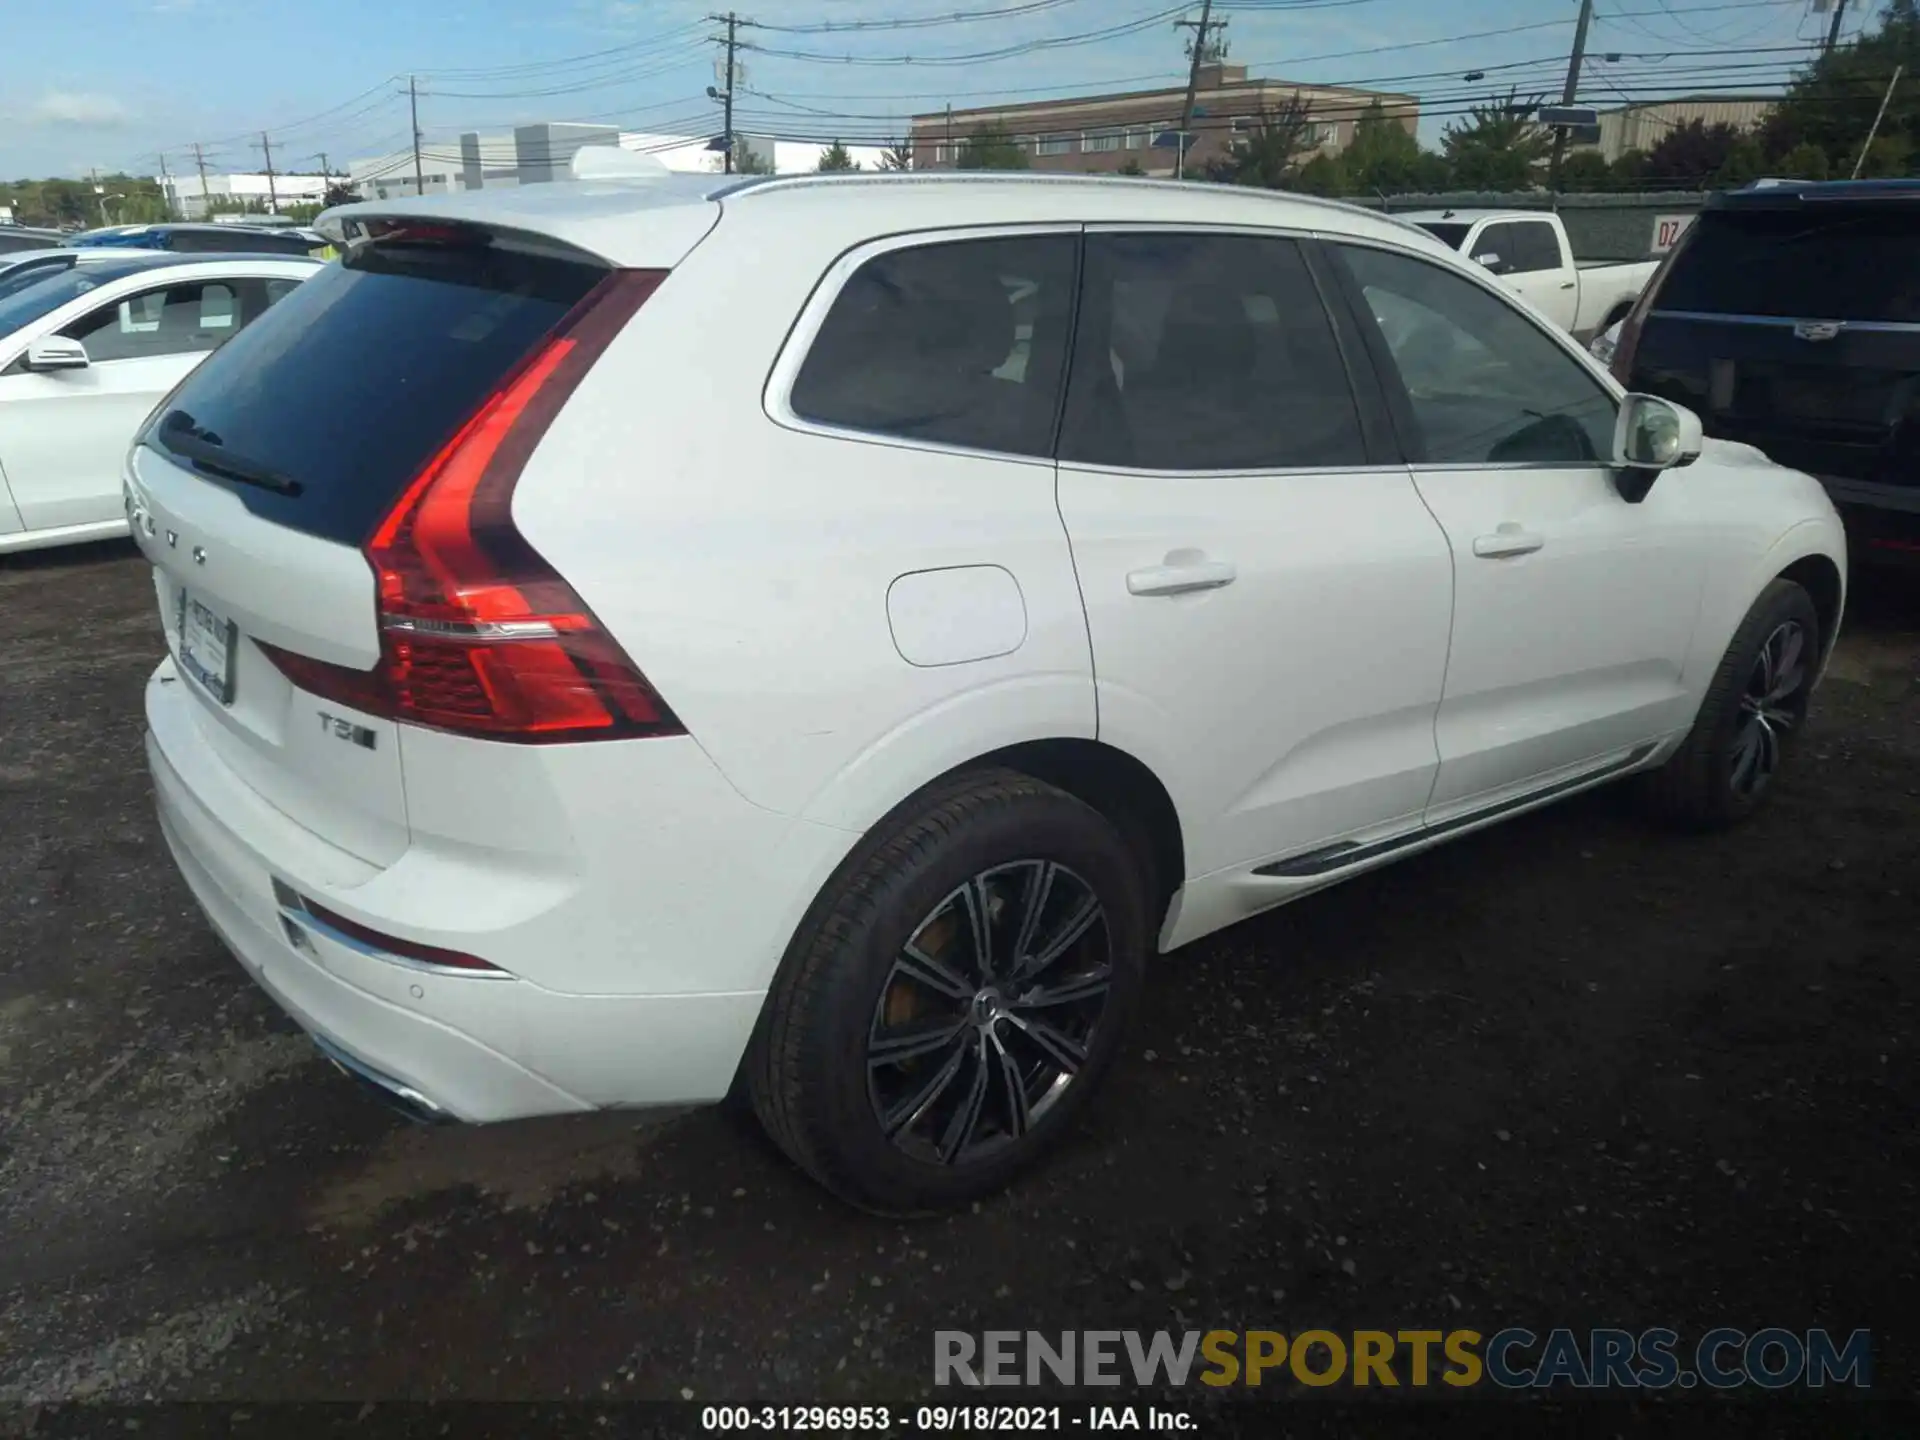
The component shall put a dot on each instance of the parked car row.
(642, 637)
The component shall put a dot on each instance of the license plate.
(206, 646)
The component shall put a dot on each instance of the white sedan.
(85, 352)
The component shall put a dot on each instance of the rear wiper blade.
(194, 443)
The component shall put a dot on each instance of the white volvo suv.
(636, 636)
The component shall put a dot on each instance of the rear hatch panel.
(1794, 325)
(258, 482)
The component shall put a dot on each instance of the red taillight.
(478, 633)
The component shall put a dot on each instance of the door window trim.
(1387, 373)
(777, 394)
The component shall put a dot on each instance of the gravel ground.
(1569, 1072)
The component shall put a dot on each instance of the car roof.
(1792, 194)
(596, 215)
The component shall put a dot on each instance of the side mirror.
(1488, 258)
(57, 352)
(1652, 435)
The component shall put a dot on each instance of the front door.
(1267, 597)
(1573, 608)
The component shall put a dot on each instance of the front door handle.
(1508, 540)
(1180, 577)
(1566, 284)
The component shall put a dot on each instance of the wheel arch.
(1820, 577)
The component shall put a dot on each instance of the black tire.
(1700, 786)
(846, 975)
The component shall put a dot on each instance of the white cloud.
(77, 107)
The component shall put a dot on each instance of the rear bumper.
(1882, 528)
(446, 1046)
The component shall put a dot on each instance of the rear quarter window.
(959, 342)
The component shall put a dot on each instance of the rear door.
(64, 434)
(1267, 597)
(332, 404)
(1797, 329)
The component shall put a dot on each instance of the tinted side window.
(1538, 247)
(1498, 240)
(177, 320)
(1485, 385)
(961, 342)
(1206, 352)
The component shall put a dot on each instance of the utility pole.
(273, 198)
(166, 188)
(1833, 30)
(413, 107)
(1201, 28)
(206, 200)
(1567, 95)
(726, 95)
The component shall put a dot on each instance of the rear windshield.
(1854, 264)
(348, 386)
(1451, 234)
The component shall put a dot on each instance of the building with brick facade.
(1103, 134)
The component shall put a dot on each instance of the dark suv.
(1789, 318)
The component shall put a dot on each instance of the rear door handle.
(1566, 284)
(1507, 541)
(1180, 577)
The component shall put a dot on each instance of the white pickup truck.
(1528, 250)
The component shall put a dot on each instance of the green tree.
(1270, 151)
(1630, 170)
(835, 160)
(992, 149)
(339, 193)
(898, 156)
(1493, 147)
(1383, 156)
(1805, 161)
(1691, 154)
(1831, 104)
(1746, 162)
(1130, 166)
(1432, 173)
(1585, 172)
(1322, 175)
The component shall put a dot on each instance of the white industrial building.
(190, 197)
(533, 153)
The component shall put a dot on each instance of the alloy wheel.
(1772, 703)
(989, 1012)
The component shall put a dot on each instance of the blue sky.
(113, 83)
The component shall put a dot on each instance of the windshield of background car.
(1841, 264)
(48, 293)
(1450, 234)
(18, 277)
